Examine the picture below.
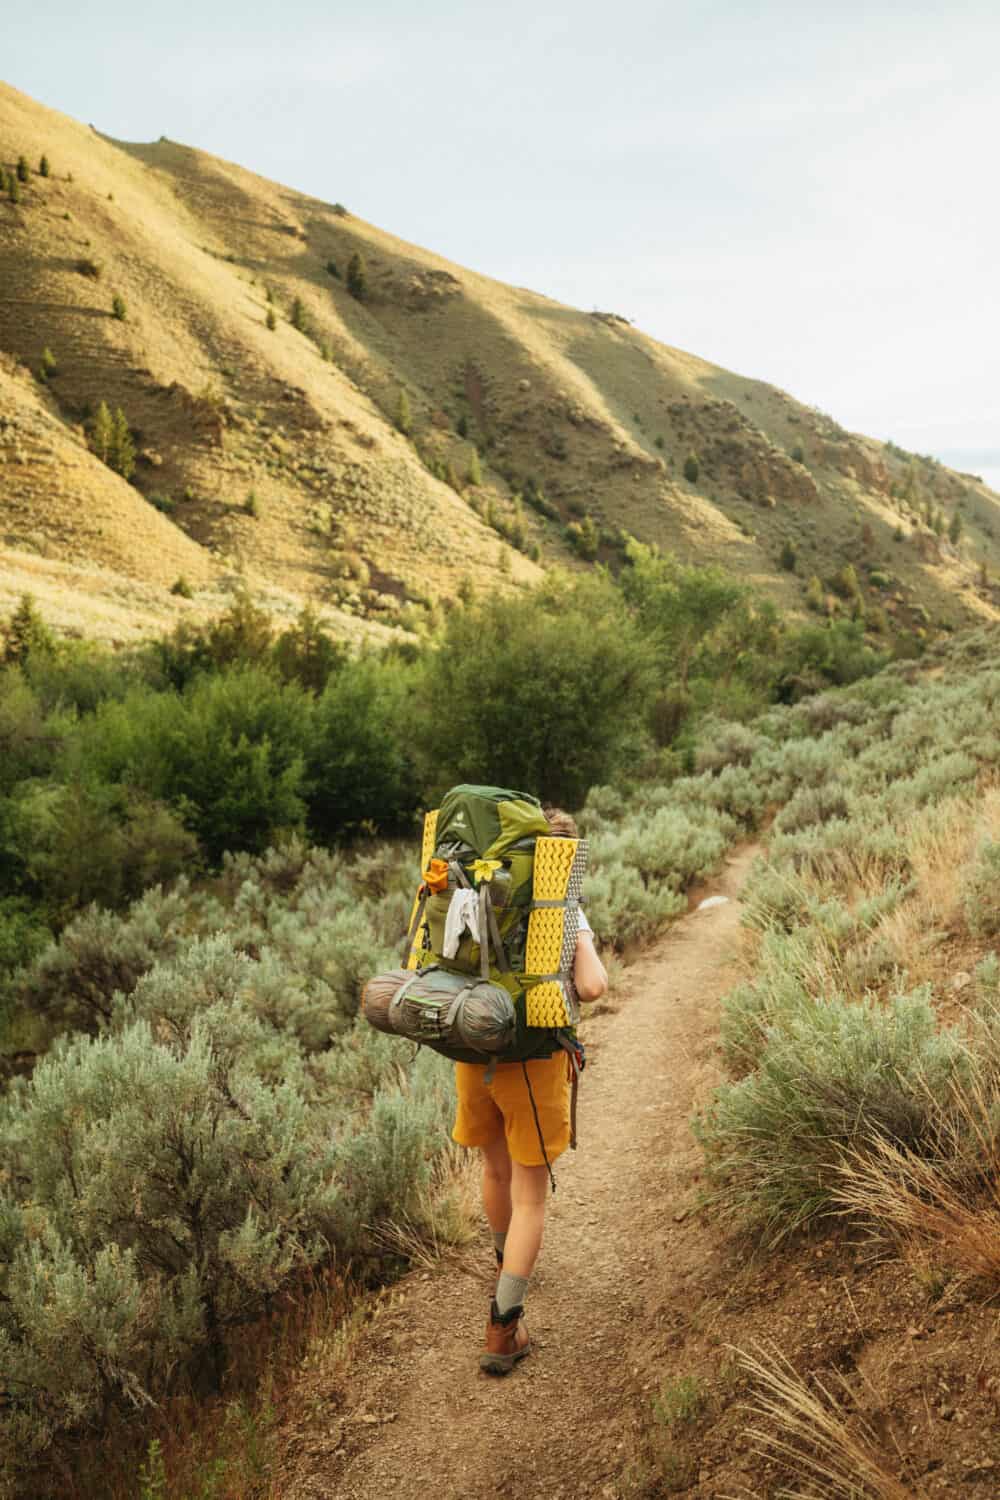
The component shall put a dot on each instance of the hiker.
(520, 1121)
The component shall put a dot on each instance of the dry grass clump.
(950, 1200)
(820, 1434)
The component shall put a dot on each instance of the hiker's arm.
(589, 975)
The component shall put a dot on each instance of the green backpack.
(490, 851)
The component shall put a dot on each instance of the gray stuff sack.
(464, 1018)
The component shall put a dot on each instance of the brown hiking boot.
(507, 1341)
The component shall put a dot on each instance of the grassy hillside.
(276, 455)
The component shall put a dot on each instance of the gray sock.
(510, 1291)
(499, 1240)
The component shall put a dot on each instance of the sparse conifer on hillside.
(25, 633)
(692, 468)
(271, 320)
(43, 167)
(298, 316)
(118, 308)
(333, 269)
(814, 595)
(13, 189)
(955, 529)
(475, 472)
(111, 440)
(404, 417)
(357, 277)
(789, 556)
(23, 171)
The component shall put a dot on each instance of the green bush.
(118, 308)
(692, 468)
(187, 1192)
(981, 890)
(832, 1077)
(98, 955)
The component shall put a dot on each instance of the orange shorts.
(503, 1107)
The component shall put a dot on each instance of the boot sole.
(502, 1364)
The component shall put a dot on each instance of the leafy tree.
(359, 764)
(692, 468)
(305, 653)
(357, 276)
(677, 606)
(546, 695)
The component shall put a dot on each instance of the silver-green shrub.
(832, 1076)
(981, 890)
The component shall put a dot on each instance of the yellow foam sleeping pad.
(426, 854)
(553, 930)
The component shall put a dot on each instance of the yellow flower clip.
(483, 869)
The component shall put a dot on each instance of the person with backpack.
(518, 1115)
(497, 955)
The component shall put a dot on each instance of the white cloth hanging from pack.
(463, 916)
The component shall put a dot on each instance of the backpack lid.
(489, 820)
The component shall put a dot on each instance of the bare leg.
(496, 1184)
(528, 1189)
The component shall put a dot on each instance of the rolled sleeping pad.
(454, 1013)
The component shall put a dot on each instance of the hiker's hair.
(561, 824)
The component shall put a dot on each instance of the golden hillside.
(272, 456)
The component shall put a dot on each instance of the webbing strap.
(411, 936)
(484, 933)
(500, 953)
(570, 903)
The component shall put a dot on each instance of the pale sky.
(805, 193)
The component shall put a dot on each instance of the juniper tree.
(404, 417)
(123, 448)
(23, 171)
(43, 167)
(692, 468)
(13, 189)
(357, 277)
(25, 633)
(102, 433)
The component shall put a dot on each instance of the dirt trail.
(420, 1419)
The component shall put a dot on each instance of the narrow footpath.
(420, 1422)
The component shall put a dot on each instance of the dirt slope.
(641, 1297)
(348, 511)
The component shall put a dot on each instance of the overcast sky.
(806, 193)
